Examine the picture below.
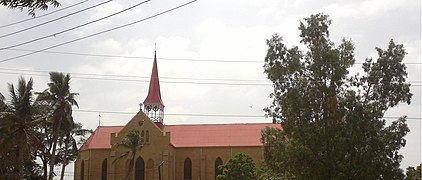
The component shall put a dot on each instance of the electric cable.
(210, 115)
(134, 76)
(165, 59)
(50, 21)
(98, 33)
(52, 12)
(76, 27)
(169, 82)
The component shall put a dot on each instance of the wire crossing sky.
(88, 36)
(43, 15)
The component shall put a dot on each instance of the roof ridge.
(112, 126)
(217, 124)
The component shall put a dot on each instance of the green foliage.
(17, 127)
(58, 95)
(32, 129)
(412, 173)
(31, 5)
(240, 166)
(332, 122)
(133, 142)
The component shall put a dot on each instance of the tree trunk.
(45, 168)
(53, 153)
(66, 151)
(20, 162)
(131, 163)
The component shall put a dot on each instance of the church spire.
(153, 105)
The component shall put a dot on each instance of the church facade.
(169, 152)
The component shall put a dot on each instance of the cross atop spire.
(153, 105)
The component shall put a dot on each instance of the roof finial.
(155, 47)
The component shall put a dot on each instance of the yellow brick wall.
(203, 159)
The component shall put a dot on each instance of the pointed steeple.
(153, 105)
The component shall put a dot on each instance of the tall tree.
(59, 96)
(240, 166)
(133, 142)
(17, 124)
(70, 150)
(333, 126)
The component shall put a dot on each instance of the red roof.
(154, 93)
(199, 135)
(100, 139)
(213, 135)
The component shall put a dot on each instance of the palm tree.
(17, 122)
(70, 150)
(62, 100)
(132, 141)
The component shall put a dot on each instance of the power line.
(50, 21)
(76, 27)
(146, 81)
(147, 77)
(52, 12)
(98, 33)
(210, 115)
(132, 76)
(165, 59)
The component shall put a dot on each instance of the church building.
(169, 152)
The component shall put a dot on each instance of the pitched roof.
(216, 135)
(154, 93)
(100, 139)
(198, 135)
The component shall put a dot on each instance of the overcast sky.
(229, 30)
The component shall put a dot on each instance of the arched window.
(147, 137)
(150, 169)
(142, 137)
(82, 170)
(187, 170)
(104, 170)
(139, 169)
(218, 171)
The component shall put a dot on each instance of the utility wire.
(165, 59)
(52, 12)
(169, 82)
(98, 33)
(47, 22)
(132, 76)
(76, 27)
(146, 81)
(147, 77)
(211, 115)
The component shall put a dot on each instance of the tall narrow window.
(104, 170)
(82, 170)
(140, 169)
(187, 171)
(150, 169)
(142, 137)
(147, 137)
(218, 171)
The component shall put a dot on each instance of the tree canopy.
(41, 127)
(240, 166)
(333, 126)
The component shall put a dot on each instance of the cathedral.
(169, 152)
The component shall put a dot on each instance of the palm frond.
(121, 156)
